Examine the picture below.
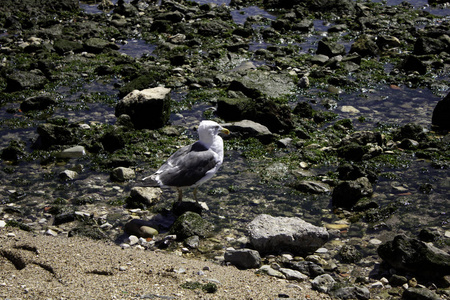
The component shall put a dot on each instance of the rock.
(304, 110)
(179, 208)
(410, 131)
(363, 138)
(63, 46)
(430, 45)
(13, 152)
(192, 242)
(354, 292)
(63, 218)
(419, 294)
(349, 254)
(397, 280)
(348, 171)
(68, 175)
(72, 152)
(284, 143)
(277, 234)
(353, 151)
(243, 258)
(37, 103)
(364, 46)
(2, 224)
(323, 283)
(413, 64)
(50, 135)
(385, 42)
(190, 224)
(266, 269)
(140, 228)
(143, 197)
(148, 108)
(277, 117)
(98, 45)
(440, 114)
(330, 49)
(25, 80)
(417, 257)
(122, 174)
(306, 267)
(311, 186)
(347, 193)
(293, 275)
(246, 128)
(113, 139)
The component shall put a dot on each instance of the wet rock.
(63, 218)
(310, 186)
(72, 152)
(97, 45)
(417, 257)
(112, 140)
(246, 128)
(122, 174)
(63, 46)
(349, 254)
(140, 228)
(192, 242)
(323, 283)
(89, 232)
(143, 197)
(190, 224)
(13, 152)
(304, 110)
(68, 175)
(397, 280)
(363, 138)
(243, 258)
(410, 131)
(354, 292)
(180, 208)
(293, 275)
(413, 293)
(37, 103)
(413, 64)
(385, 42)
(440, 114)
(353, 171)
(23, 80)
(353, 151)
(347, 193)
(330, 49)
(430, 45)
(148, 108)
(276, 234)
(212, 27)
(306, 267)
(266, 269)
(277, 117)
(364, 46)
(50, 135)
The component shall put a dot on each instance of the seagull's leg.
(180, 195)
(195, 194)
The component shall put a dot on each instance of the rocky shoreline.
(83, 122)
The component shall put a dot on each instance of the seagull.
(194, 164)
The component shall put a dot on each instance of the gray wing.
(187, 166)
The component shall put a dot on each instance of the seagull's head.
(207, 130)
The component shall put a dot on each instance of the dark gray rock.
(413, 64)
(330, 49)
(353, 292)
(190, 224)
(148, 108)
(23, 80)
(276, 234)
(419, 294)
(397, 280)
(417, 257)
(354, 171)
(50, 135)
(306, 267)
(143, 197)
(347, 193)
(97, 45)
(353, 151)
(429, 45)
(410, 131)
(179, 208)
(246, 128)
(37, 103)
(349, 254)
(243, 258)
(13, 152)
(311, 186)
(364, 46)
(63, 46)
(441, 114)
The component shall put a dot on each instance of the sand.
(34, 266)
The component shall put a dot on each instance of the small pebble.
(2, 223)
(10, 234)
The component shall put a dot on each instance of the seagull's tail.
(149, 181)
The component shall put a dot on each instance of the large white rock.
(277, 234)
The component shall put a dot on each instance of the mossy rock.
(190, 224)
